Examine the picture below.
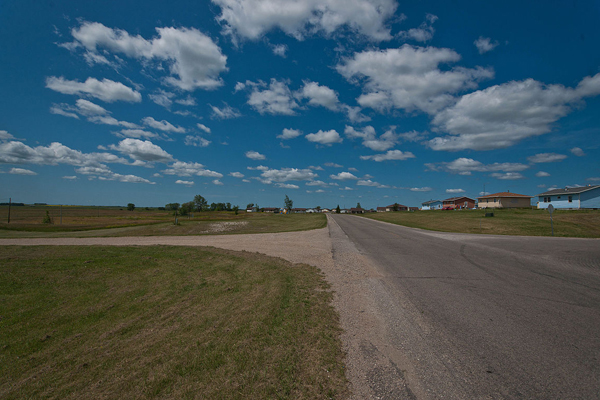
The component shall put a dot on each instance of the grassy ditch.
(522, 222)
(164, 322)
(161, 223)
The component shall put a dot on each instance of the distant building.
(357, 210)
(432, 205)
(504, 200)
(571, 198)
(299, 210)
(271, 210)
(458, 203)
(398, 207)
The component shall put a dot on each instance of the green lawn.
(141, 222)
(164, 322)
(522, 222)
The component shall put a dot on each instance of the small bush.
(47, 219)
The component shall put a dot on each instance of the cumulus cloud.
(484, 44)
(14, 152)
(203, 127)
(576, 151)
(236, 174)
(389, 156)
(507, 175)
(163, 125)
(502, 115)
(162, 98)
(546, 158)
(225, 112)
(326, 138)
(382, 143)
(316, 183)
(333, 165)
(217, 182)
(186, 183)
(287, 186)
(279, 50)
(251, 19)
(93, 112)
(193, 60)
(181, 168)
(343, 176)
(277, 99)
(196, 141)
(409, 77)
(70, 177)
(289, 134)
(423, 33)
(144, 151)
(542, 174)
(455, 191)
(286, 174)
(318, 95)
(466, 166)
(421, 189)
(136, 133)
(371, 183)
(105, 90)
(255, 155)
(21, 171)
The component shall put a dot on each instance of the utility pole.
(9, 203)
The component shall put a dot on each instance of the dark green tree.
(337, 209)
(200, 202)
(172, 206)
(130, 207)
(250, 206)
(289, 204)
(236, 210)
(396, 207)
(358, 205)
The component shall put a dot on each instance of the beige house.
(505, 200)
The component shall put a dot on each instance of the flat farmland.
(521, 222)
(78, 221)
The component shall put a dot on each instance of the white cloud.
(421, 189)
(502, 115)
(546, 158)
(225, 112)
(542, 174)
(507, 175)
(251, 19)
(236, 174)
(369, 182)
(346, 188)
(276, 100)
(280, 50)
(21, 171)
(343, 176)
(390, 155)
(410, 77)
(217, 182)
(103, 173)
(56, 153)
(316, 183)
(93, 112)
(136, 133)
(484, 44)
(203, 127)
(255, 155)
(333, 165)
(70, 178)
(423, 33)
(186, 183)
(105, 90)
(188, 101)
(576, 151)
(60, 110)
(455, 191)
(181, 168)
(259, 168)
(193, 59)
(162, 98)
(593, 179)
(287, 186)
(465, 166)
(196, 141)
(139, 150)
(354, 114)
(286, 174)
(324, 137)
(316, 168)
(319, 191)
(319, 95)
(163, 125)
(386, 141)
(289, 134)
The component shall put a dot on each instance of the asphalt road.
(478, 316)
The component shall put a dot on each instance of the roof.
(357, 209)
(431, 202)
(396, 204)
(570, 190)
(458, 198)
(505, 194)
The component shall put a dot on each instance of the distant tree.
(396, 207)
(200, 202)
(228, 206)
(172, 206)
(236, 210)
(318, 208)
(257, 207)
(187, 208)
(337, 209)
(358, 205)
(47, 219)
(251, 205)
(289, 204)
(130, 207)
(213, 206)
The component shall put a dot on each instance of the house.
(381, 209)
(458, 203)
(432, 205)
(504, 200)
(325, 210)
(357, 210)
(571, 198)
(399, 207)
(299, 210)
(271, 210)
(251, 209)
(413, 209)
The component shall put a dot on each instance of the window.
(558, 197)
(570, 199)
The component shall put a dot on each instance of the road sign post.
(551, 210)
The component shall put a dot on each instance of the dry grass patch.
(164, 322)
(522, 222)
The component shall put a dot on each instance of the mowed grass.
(164, 322)
(113, 221)
(521, 222)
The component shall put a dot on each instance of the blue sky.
(330, 102)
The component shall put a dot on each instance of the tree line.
(199, 204)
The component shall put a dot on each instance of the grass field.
(164, 322)
(114, 221)
(522, 222)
